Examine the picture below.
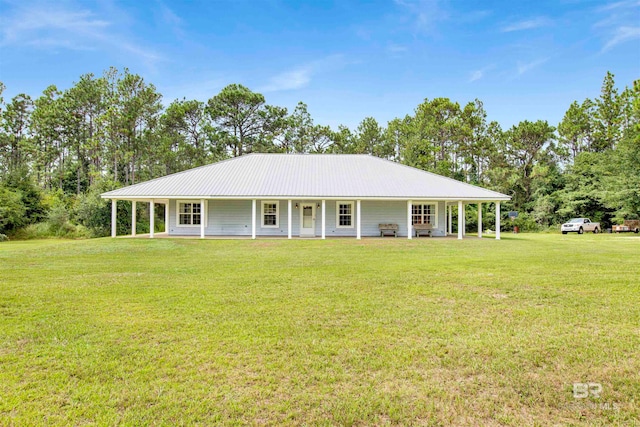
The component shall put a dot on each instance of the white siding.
(233, 218)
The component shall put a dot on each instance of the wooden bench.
(388, 230)
(422, 229)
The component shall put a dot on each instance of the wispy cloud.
(618, 23)
(289, 80)
(618, 5)
(54, 26)
(300, 76)
(171, 19)
(423, 15)
(528, 24)
(397, 48)
(621, 35)
(479, 74)
(524, 67)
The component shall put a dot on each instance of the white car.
(580, 225)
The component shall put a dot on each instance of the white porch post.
(253, 218)
(460, 219)
(324, 217)
(288, 219)
(480, 220)
(409, 227)
(166, 217)
(464, 219)
(114, 212)
(497, 220)
(133, 218)
(203, 216)
(358, 215)
(152, 217)
(450, 219)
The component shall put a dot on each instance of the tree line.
(58, 152)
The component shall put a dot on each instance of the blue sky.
(345, 59)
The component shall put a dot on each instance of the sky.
(346, 59)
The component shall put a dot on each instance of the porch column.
(358, 215)
(497, 220)
(152, 217)
(324, 217)
(409, 227)
(464, 219)
(133, 218)
(203, 217)
(450, 219)
(288, 219)
(253, 218)
(460, 219)
(166, 217)
(114, 212)
(480, 220)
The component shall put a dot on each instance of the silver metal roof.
(302, 176)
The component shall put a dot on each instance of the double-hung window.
(189, 213)
(270, 210)
(423, 214)
(344, 214)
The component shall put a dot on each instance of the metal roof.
(306, 176)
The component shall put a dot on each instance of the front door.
(307, 219)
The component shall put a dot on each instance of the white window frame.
(203, 214)
(262, 214)
(345, 202)
(434, 209)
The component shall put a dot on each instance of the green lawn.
(335, 332)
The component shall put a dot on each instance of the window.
(344, 214)
(189, 213)
(270, 215)
(423, 214)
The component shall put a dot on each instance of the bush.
(524, 222)
(44, 230)
(12, 210)
(58, 219)
(3, 237)
(94, 212)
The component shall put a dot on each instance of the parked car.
(580, 225)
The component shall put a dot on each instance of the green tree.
(576, 128)
(236, 111)
(15, 145)
(608, 116)
(371, 138)
(525, 144)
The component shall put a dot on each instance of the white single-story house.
(306, 195)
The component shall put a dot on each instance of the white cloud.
(300, 76)
(423, 14)
(618, 5)
(524, 67)
(479, 74)
(397, 48)
(621, 35)
(528, 24)
(618, 23)
(171, 19)
(54, 26)
(289, 80)
(476, 75)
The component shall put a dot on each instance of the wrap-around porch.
(320, 218)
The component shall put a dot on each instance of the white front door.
(307, 219)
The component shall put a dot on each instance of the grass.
(335, 332)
